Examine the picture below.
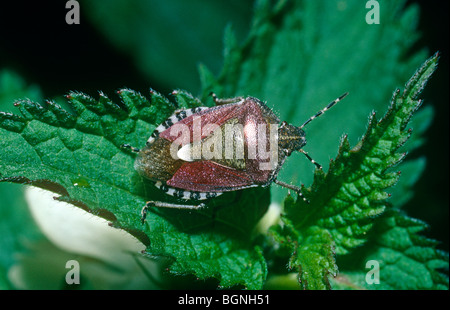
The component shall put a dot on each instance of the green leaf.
(345, 201)
(312, 253)
(406, 259)
(166, 39)
(16, 224)
(78, 155)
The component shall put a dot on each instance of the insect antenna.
(323, 110)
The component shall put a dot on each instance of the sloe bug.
(199, 153)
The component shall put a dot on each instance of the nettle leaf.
(15, 220)
(77, 154)
(406, 259)
(168, 53)
(312, 252)
(345, 201)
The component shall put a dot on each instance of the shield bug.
(199, 153)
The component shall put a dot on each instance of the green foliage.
(81, 153)
(14, 218)
(167, 39)
(300, 55)
(294, 58)
(346, 200)
(407, 260)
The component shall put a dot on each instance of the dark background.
(37, 43)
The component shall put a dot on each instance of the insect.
(199, 153)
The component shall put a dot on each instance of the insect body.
(202, 152)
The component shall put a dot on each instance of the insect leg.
(310, 159)
(218, 101)
(132, 148)
(292, 187)
(161, 204)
